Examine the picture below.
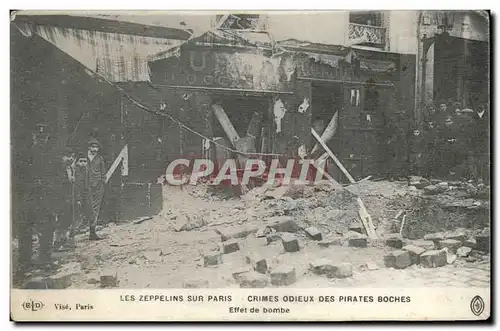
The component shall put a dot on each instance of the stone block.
(458, 234)
(313, 233)
(425, 244)
(342, 270)
(464, 251)
(290, 243)
(109, 280)
(394, 240)
(258, 263)
(433, 259)
(327, 242)
(414, 252)
(212, 259)
(483, 242)
(436, 237)
(358, 241)
(283, 275)
(230, 246)
(195, 283)
(451, 244)
(61, 280)
(399, 259)
(321, 266)
(253, 279)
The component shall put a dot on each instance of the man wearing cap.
(97, 179)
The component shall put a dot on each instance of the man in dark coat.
(481, 141)
(97, 180)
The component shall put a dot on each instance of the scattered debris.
(143, 219)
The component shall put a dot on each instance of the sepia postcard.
(250, 166)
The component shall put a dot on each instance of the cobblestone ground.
(414, 276)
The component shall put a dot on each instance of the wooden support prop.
(232, 135)
(122, 157)
(363, 213)
(329, 131)
(226, 124)
(334, 158)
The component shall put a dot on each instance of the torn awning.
(328, 59)
(118, 57)
(230, 38)
(377, 65)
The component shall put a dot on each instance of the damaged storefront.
(251, 94)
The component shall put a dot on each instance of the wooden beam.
(363, 213)
(334, 158)
(329, 131)
(123, 156)
(226, 124)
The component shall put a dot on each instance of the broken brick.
(253, 279)
(283, 275)
(290, 243)
(342, 270)
(451, 244)
(321, 266)
(329, 242)
(433, 259)
(414, 252)
(399, 259)
(313, 233)
(230, 247)
(394, 240)
(464, 251)
(212, 258)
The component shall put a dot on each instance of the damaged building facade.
(453, 58)
(257, 84)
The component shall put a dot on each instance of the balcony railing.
(367, 34)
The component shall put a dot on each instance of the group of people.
(53, 192)
(454, 143)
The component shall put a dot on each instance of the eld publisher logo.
(33, 305)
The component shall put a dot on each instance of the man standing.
(45, 190)
(65, 216)
(481, 141)
(97, 179)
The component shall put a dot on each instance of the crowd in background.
(452, 144)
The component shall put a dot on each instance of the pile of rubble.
(437, 249)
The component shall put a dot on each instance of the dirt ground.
(167, 250)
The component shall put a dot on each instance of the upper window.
(373, 18)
